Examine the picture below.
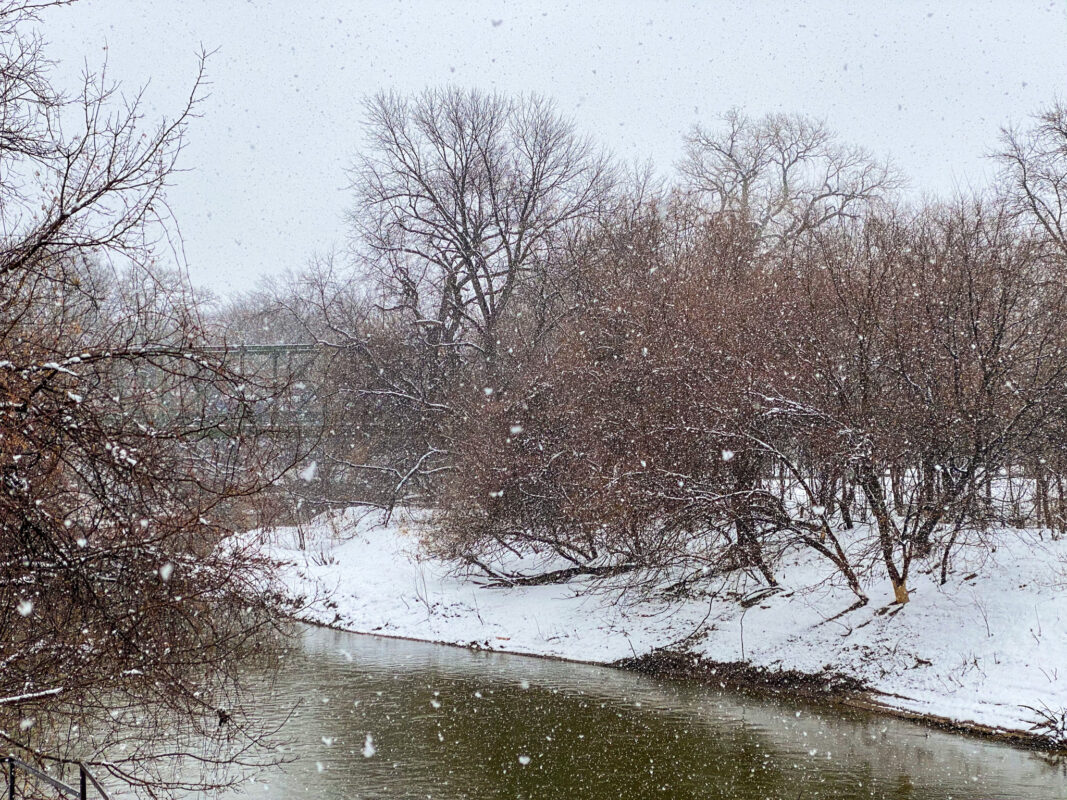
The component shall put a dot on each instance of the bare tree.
(785, 174)
(463, 198)
(468, 210)
(124, 447)
(1035, 165)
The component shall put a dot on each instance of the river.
(446, 722)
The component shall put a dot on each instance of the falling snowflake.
(368, 747)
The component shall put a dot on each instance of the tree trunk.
(848, 497)
(896, 481)
(1042, 507)
(900, 592)
(1061, 509)
(888, 534)
(746, 483)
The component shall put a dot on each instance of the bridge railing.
(85, 779)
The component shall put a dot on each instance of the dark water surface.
(451, 723)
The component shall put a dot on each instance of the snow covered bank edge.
(982, 654)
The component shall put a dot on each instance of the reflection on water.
(450, 723)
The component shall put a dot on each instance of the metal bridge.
(299, 369)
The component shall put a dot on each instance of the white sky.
(927, 82)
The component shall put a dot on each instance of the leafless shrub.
(714, 403)
(1050, 723)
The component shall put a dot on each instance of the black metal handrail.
(84, 779)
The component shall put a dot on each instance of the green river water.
(446, 722)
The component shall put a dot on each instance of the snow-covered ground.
(980, 649)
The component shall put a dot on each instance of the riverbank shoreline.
(831, 690)
(751, 680)
(951, 659)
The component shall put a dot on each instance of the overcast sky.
(928, 83)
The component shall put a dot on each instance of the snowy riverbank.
(984, 649)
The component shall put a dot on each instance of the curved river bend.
(451, 723)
